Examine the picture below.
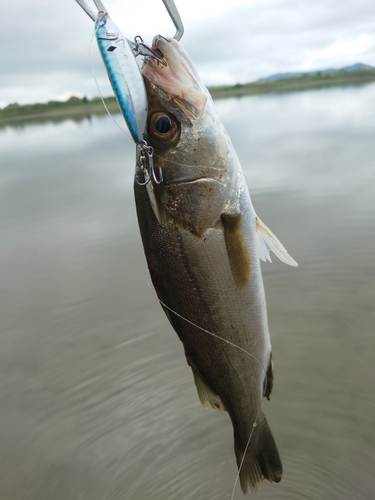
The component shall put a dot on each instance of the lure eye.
(163, 129)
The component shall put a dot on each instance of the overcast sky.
(45, 44)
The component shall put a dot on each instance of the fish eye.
(163, 128)
(163, 124)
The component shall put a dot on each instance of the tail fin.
(262, 459)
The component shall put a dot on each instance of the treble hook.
(147, 165)
(140, 48)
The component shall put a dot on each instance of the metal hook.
(147, 165)
(169, 5)
(175, 17)
(140, 48)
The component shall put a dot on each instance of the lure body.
(124, 74)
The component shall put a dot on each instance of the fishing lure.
(119, 58)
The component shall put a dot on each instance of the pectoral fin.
(207, 396)
(237, 249)
(267, 241)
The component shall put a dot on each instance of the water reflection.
(22, 124)
(97, 401)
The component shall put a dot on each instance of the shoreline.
(82, 110)
(76, 108)
(294, 84)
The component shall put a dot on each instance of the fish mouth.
(177, 81)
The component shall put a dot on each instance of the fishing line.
(203, 167)
(245, 450)
(254, 425)
(208, 331)
(228, 342)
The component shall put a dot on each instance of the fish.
(203, 243)
(201, 235)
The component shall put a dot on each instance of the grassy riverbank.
(56, 109)
(305, 82)
(76, 107)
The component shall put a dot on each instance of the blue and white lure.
(124, 75)
(119, 58)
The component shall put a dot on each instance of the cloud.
(154, 17)
(340, 49)
(45, 49)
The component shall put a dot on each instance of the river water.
(97, 401)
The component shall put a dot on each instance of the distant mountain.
(284, 76)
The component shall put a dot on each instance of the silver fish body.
(202, 241)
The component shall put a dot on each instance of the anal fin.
(207, 396)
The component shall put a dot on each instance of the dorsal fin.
(268, 379)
